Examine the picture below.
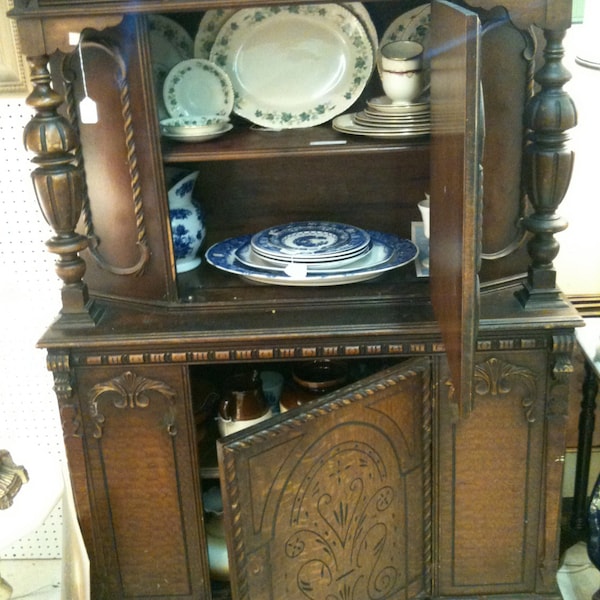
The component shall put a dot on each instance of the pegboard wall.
(29, 300)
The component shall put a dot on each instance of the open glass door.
(334, 500)
(456, 154)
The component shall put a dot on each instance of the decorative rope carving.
(132, 163)
(427, 482)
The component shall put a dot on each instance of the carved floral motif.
(130, 391)
(342, 543)
(496, 377)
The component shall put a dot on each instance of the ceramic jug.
(187, 224)
(242, 403)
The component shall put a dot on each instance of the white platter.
(198, 137)
(346, 124)
(294, 66)
(214, 19)
(197, 87)
(223, 256)
(170, 43)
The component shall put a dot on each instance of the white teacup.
(400, 66)
(424, 209)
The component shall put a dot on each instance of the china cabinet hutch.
(436, 472)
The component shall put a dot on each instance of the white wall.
(578, 263)
(29, 299)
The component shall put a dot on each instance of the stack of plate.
(311, 253)
(384, 119)
(197, 94)
(195, 129)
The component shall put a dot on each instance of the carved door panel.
(456, 154)
(334, 501)
(143, 483)
(491, 467)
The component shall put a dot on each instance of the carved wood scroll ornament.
(130, 391)
(496, 377)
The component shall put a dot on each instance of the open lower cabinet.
(435, 471)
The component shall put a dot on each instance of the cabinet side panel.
(492, 469)
(125, 209)
(145, 502)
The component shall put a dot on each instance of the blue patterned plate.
(310, 241)
(223, 256)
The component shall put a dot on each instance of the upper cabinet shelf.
(248, 142)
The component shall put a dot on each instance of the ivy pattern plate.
(294, 66)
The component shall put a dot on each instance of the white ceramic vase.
(187, 224)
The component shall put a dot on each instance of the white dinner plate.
(346, 124)
(197, 87)
(294, 66)
(366, 117)
(208, 29)
(412, 25)
(170, 43)
(223, 256)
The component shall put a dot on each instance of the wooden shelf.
(250, 142)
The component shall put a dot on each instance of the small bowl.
(193, 126)
(320, 376)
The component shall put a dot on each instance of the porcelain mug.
(424, 209)
(400, 66)
(243, 403)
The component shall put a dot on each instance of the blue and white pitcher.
(187, 224)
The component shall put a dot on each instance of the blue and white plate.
(247, 256)
(310, 241)
(223, 256)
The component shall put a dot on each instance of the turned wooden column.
(548, 164)
(58, 183)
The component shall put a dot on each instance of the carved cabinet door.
(334, 501)
(456, 178)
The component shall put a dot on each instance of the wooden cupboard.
(437, 471)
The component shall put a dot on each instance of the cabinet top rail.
(546, 14)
